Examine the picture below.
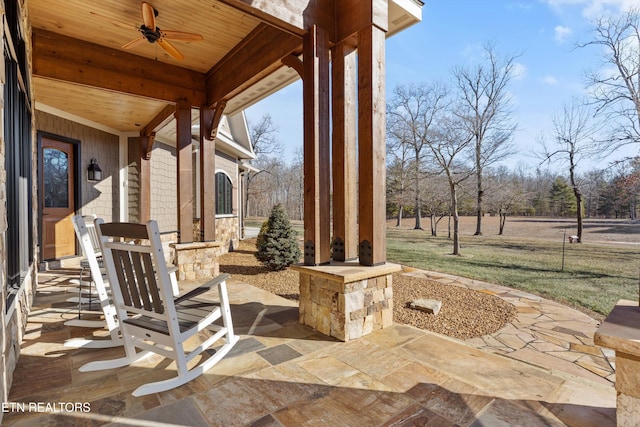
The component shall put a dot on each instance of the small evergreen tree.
(277, 243)
(261, 234)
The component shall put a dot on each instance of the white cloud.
(518, 5)
(562, 33)
(550, 80)
(519, 71)
(473, 51)
(596, 8)
(592, 8)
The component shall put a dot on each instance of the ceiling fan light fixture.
(151, 33)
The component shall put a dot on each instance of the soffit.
(221, 26)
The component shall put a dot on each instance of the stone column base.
(346, 300)
(621, 331)
(197, 260)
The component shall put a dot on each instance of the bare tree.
(437, 201)
(616, 86)
(297, 171)
(487, 113)
(410, 121)
(506, 194)
(397, 174)
(573, 140)
(594, 187)
(449, 148)
(264, 144)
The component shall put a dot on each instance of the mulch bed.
(464, 314)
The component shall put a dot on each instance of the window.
(224, 190)
(56, 178)
(18, 152)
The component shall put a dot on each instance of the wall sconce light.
(94, 173)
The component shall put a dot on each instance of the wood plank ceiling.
(221, 26)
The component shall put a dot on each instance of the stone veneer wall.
(13, 327)
(197, 260)
(168, 240)
(348, 304)
(620, 331)
(13, 323)
(227, 232)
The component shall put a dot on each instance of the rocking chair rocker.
(88, 238)
(151, 320)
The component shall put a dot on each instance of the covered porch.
(283, 373)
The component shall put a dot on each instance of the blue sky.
(544, 34)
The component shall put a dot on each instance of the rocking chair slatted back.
(152, 320)
(137, 278)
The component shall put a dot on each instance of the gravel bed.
(464, 314)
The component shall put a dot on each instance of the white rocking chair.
(150, 318)
(90, 244)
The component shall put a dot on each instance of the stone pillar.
(621, 332)
(346, 300)
(628, 388)
(198, 260)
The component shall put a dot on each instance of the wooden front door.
(57, 199)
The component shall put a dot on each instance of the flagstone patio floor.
(540, 370)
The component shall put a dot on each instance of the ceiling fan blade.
(170, 49)
(134, 42)
(116, 22)
(181, 36)
(148, 16)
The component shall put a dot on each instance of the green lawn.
(594, 276)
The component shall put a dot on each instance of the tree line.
(445, 141)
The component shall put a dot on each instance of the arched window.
(224, 190)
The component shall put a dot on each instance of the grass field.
(596, 274)
(529, 256)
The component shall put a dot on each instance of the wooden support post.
(344, 66)
(371, 145)
(316, 147)
(185, 172)
(209, 121)
(147, 137)
(146, 144)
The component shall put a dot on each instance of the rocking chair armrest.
(202, 288)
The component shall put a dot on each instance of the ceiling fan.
(151, 33)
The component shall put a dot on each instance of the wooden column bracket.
(210, 120)
(146, 145)
(148, 133)
(294, 62)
